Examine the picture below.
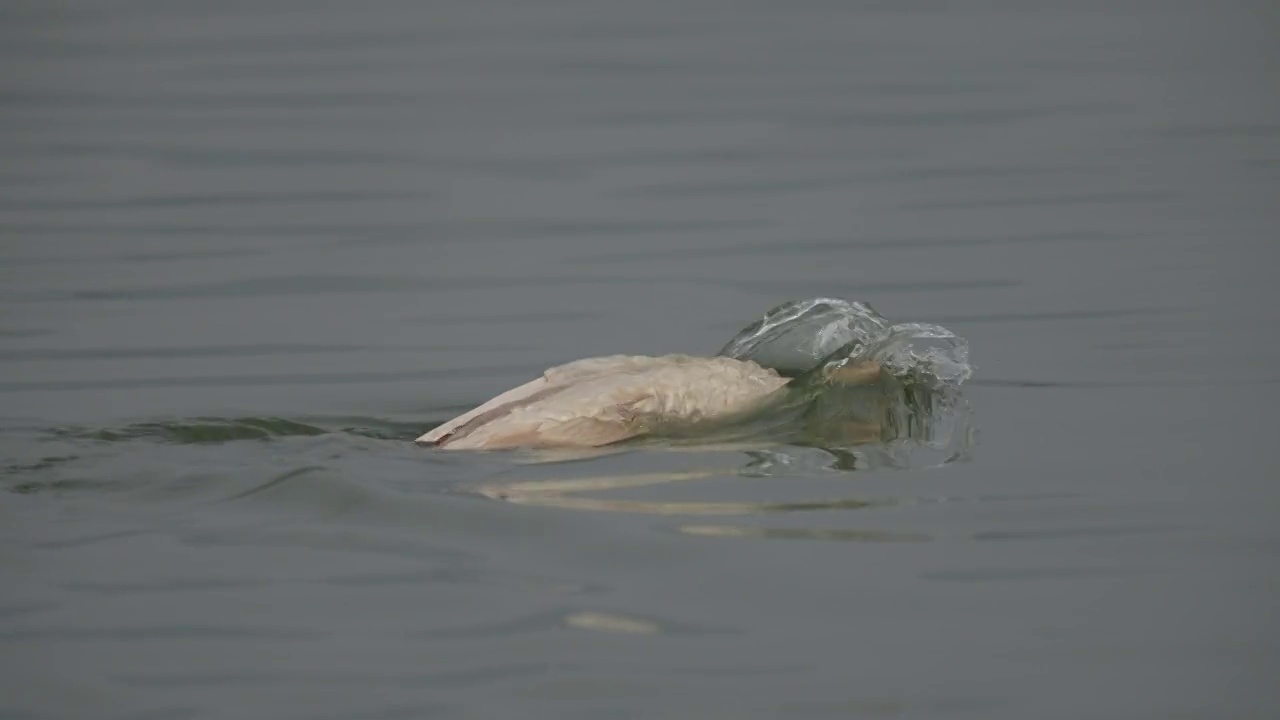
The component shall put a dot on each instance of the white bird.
(598, 401)
(604, 400)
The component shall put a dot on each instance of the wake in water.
(911, 413)
(825, 372)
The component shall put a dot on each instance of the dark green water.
(248, 251)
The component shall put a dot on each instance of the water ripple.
(1064, 315)
(451, 678)
(265, 380)
(175, 585)
(276, 481)
(160, 632)
(133, 204)
(1028, 574)
(225, 351)
(1116, 197)
(792, 247)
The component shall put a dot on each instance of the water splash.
(923, 354)
(795, 336)
(821, 335)
(914, 415)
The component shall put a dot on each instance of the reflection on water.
(565, 493)
(885, 424)
(611, 622)
(842, 535)
(891, 424)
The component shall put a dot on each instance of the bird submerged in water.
(604, 400)
(599, 401)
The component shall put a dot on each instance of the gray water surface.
(249, 250)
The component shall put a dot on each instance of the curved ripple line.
(273, 482)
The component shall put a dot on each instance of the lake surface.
(249, 250)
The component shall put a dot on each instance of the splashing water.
(824, 334)
(924, 354)
(795, 336)
(915, 416)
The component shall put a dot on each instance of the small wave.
(214, 430)
(203, 430)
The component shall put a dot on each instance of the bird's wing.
(555, 377)
(514, 395)
(514, 432)
(599, 401)
(573, 416)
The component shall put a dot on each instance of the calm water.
(248, 250)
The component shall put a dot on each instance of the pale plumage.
(598, 401)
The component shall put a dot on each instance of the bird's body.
(598, 401)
